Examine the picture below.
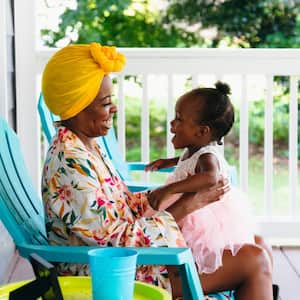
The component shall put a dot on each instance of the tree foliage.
(126, 23)
(246, 23)
(138, 23)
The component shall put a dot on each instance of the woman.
(86, 203)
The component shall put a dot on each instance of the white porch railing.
(196, 63)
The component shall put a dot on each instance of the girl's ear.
(203, 130)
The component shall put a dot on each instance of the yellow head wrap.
(73, 76)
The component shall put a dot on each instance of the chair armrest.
(134, 186)
(137, 186)
(140, 166)
(180, 257)
(233, 176)
(79, 254)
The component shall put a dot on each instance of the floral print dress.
(86, 203)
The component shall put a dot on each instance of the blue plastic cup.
(113, 273)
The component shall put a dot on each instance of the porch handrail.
(202, 60)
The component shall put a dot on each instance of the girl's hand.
(161, 163)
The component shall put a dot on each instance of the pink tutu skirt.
(223, 225)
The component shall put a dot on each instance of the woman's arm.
(85, 208)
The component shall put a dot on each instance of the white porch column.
(27, 119)
(3, 63)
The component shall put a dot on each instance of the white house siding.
(7, 110)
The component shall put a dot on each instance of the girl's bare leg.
(248, 273)
(261, 242)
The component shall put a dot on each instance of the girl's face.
(97, 118)
(187, 132)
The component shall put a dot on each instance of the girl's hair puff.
(217, 111)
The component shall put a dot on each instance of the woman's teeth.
(108, 123)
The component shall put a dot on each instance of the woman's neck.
(87, 141)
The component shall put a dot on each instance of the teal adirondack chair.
(110, 145)
(21, 212)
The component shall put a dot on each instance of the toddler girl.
(203, 117)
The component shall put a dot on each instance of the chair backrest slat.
(10, 204)
(112, 149)
(21, 172)
(11, 225)
(47, 119)
(22, 209)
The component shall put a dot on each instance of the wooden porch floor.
(286, 271)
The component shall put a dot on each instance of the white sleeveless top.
(222, 225)
(187, 166)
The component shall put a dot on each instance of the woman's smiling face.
(96, 119)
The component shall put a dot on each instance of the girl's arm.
(187, 203)
(207, 174)
(162, 163)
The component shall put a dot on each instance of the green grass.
(280, 203)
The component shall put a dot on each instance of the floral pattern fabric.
(86, 203)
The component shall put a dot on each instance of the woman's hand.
(157, 197)
(161, 163)
(212, 194)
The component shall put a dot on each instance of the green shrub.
(133, 129)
